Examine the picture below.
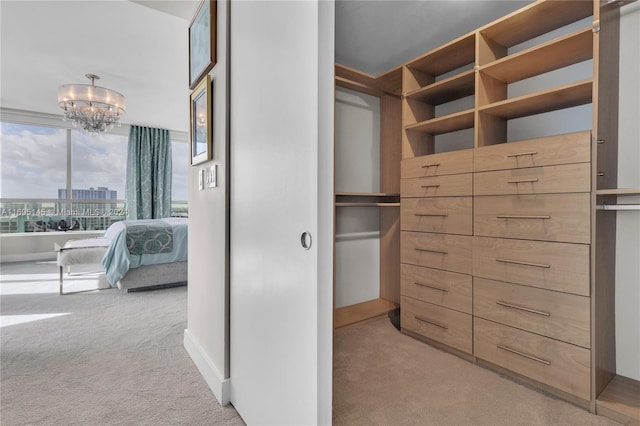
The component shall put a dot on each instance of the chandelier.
(92, 108)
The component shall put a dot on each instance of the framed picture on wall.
(202, 42)
(201, 122)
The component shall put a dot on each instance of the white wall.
(628, 222)
(357, 169)
(357, 130)
(207, 337)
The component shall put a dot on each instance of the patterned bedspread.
(119, 259)
(149, 236)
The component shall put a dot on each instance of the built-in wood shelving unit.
(484, 64)
(388, 88)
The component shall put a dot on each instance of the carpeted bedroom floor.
(97, 358)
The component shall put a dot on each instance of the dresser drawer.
(446, 163)
(444, 325)
(550, 217)
(557, 364)
(557, 315)
(451, 215)
(553, 266)
(438, 186)
(534, 180)
(440, 251)
(562, 149)
(443, 288)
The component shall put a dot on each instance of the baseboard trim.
(216, 381)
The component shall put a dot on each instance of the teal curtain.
(148, 189)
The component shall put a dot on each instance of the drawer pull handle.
(522, 217)
(431, 214)
(431, 286)
(522, 354)
(522, 181)
(522, 308)
(430, 186)
(519, 154)
(421, 319)
(517, 262)
(430, 251)
(426, 166)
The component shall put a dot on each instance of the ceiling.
(139, 47)
(375, 36)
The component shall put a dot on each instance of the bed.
(134, 254)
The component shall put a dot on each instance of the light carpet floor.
(111, 358)
(382, 377)
(97, 358)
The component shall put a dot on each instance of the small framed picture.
(201, 127)
(202, 42)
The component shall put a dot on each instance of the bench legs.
(72, 292)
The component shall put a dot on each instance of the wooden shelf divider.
(558, 53)
(456, 87)
(618, 191)
(620, 401)
(536, 19)
(448, 57)
(566, 96)
(362, 311)
(445, 124)
(367, 199)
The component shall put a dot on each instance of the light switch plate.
(211, 175)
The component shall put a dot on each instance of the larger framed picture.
(202, 42)
(201, 118)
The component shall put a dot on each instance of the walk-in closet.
(488, 189)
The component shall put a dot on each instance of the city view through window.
(57, 179)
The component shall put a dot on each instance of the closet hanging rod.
(363, 88)
(618, 207)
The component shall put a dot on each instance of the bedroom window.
(98, 168)
(50, 174)
(34, 166)
(179, 181)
